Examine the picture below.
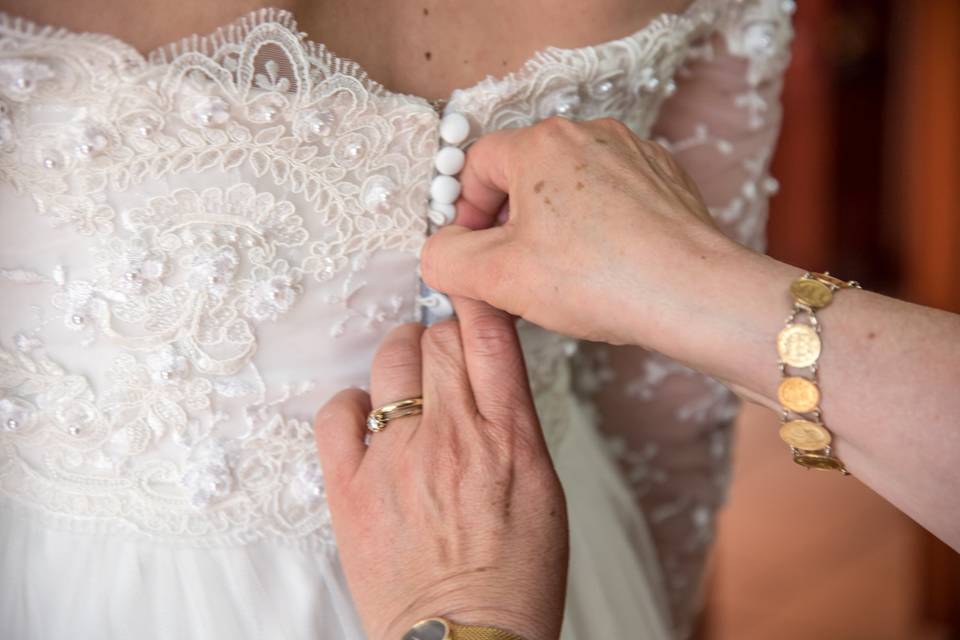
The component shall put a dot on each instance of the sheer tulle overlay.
(198, 247)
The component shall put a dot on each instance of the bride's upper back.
(426, 48)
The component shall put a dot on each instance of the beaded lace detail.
(186, 214)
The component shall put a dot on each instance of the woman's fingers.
(446, 386)
(339, 429)
(476, 264)
(494, 363)
(484, 179)
(396, 375)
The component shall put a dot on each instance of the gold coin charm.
(798, 394)
(820, 462)
(828, 279)
(805, 435)
(798, 345)
(812, 293)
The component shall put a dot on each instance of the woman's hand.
(607, 239)
(605, 231)
(457, 512)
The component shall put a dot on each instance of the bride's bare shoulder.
(168, 21)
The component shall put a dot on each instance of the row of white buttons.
(445, 188)
(444, 191)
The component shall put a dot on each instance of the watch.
(441, 629)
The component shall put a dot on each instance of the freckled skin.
(537, 188)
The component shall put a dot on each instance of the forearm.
(888, 374)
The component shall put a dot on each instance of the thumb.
(484, 178)
(471, 264)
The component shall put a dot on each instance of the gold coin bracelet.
(799, 347)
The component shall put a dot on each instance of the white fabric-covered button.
(454, 128)
(445, 189)
(446, 212)
(449, 160)
(438, 305)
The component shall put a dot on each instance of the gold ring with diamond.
(379, 418)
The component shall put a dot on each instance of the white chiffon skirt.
(60, 585)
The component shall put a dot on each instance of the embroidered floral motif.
(313, 173)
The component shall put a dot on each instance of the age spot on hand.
(537, 188)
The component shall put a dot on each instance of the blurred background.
(869, 163)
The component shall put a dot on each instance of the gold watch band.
(443, 629)
(464, 632)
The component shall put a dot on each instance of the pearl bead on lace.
(603, 89)
(22, 76)
(758, 39)
(13, 414)
(566, 108)
(315, 124)
(211, 111)
(378, 194)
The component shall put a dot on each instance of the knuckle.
(616, 126)
(400, 349)
(493, 334)
(429, 262)
(342, 407)
(443, 337)
(658, 151)
(555, 128)
(495, 280)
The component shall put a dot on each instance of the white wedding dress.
(200, 246)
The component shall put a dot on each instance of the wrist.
(529, 616)
(721, 314)
(521, 626)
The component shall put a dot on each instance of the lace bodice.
(199, 246)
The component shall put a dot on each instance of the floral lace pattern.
(226, 191)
